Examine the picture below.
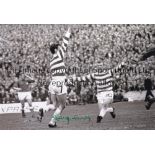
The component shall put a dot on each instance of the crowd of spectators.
(25, 49)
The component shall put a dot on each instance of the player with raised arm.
(103, 79)
(57, 87)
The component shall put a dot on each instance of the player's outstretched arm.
(84, 78)
(115, 69)
(17, 89)
(65, 41)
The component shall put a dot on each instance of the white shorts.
(58, 87)
(105, 97)
(24, 96)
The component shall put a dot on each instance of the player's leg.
(29, 100)
(21, 97)
(111, 110)
(48, 106)
(150, 93)
(146, 96)
(102, 110)
(53, 100)
(23, 106)
(105, 108)
(104, 101)
(109, 101)
(52, 96)
(31, 107)
(151, 100)
(61, 101)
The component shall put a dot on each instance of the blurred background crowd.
(25, 49)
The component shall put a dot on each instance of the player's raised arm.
(123, 63)
(115, 69)
(63, 47)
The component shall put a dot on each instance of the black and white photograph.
(77, 76)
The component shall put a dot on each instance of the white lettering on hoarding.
(16, 107)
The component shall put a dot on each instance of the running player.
(57, 87)
(23, 88)
(103, 79)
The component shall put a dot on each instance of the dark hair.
(53, 47)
